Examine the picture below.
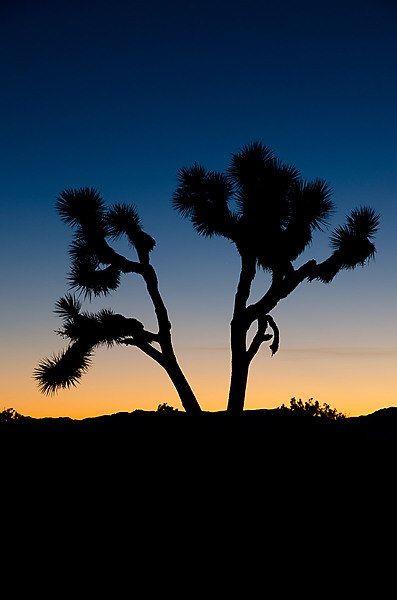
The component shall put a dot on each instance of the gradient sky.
(119, 95)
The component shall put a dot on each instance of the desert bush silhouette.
(166, 408)
(8, 415)
(312, 409)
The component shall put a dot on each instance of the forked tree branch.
(278, 290)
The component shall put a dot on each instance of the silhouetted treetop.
(259, 203)
(95, 266)
(270, 212)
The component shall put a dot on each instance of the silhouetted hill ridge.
(154, 453)
(260, 423)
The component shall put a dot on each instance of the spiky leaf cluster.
(65, 369)
(85, 331)
(123, 219)
(203, 197)
(275, 211)
(82, 208)
(95, 269)
(351, 244)
(93, 329)
(87, 272)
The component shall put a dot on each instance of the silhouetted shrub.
(165, 408)
(9, 414)
(312, 408)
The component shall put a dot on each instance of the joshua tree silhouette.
(261, 204)
(271, 221)
(97, 269)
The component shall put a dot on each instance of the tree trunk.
(238, 385)
(167, 357)
(238, 337)
(240, 367)
(186, 395)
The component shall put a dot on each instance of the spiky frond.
(64, 369)
(108, 327)
(247, 166)
(353, 250)
(352, 240)
(79, 250)
(86, 273)
(80, 206)
(203, 196)
(261, 184)
(90, 280)
(102, 327)
(212, 215)
(363, 222)
(123, 219)
(84, 209)
(83, 326)
(310, 207)
(190, 190)
(351, 243)
(68, 307)
(310, 203)
(113, 328)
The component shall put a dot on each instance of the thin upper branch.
(146, 347)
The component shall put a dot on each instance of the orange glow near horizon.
(352, 383)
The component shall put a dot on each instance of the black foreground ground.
(172, 494)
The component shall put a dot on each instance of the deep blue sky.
(119, 95)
